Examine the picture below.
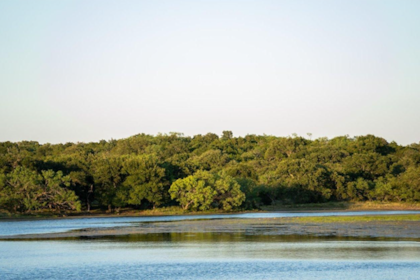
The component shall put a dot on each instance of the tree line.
(205, 172)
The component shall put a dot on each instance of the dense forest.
(205, 172)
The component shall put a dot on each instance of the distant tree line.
(205, 172)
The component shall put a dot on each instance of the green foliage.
(206, 172)
(205, 190)
(144, 180)
(358, 190)
(228, 193)
(253, 193)
(26, 190)
(108, 177)
(55, 193)
(192, 193)
(209, 160)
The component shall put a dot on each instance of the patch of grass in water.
(368, 205)
(354, 219)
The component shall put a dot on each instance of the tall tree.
(108, 177)
(144, 180)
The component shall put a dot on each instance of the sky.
(81, 71)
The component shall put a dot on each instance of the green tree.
(359, 190)
(192, 193)
(108, 177)
(228, 193)
(21, 189)
(144, 180)
(26, 190)
(55, 193)
(204, 190)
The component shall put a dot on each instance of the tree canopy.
(205, 172)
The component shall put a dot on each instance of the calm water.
(210, 256)
(61, 225)
(202, 255)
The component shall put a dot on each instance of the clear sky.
(91, 70)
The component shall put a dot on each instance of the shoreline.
(392, 226)
(308, 208)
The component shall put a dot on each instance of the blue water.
(208, 255)
(218, 259)
(62, 225)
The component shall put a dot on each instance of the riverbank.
(384, 226)
(344, 206)
(128, 212)
(176, 210)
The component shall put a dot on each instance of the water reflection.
(223, 237)
(210, 256)
(8, 228)
(234, 245)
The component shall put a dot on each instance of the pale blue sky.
(92, 70)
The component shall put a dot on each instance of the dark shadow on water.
(228, 237)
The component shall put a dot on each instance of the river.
(8, 228)
(208, 255)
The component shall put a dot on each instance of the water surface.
(205, 255)
(210, 256)
(8, 228)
